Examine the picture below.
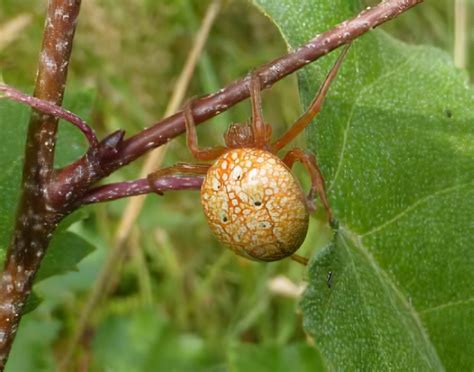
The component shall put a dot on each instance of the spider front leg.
(313, 108)
(261, 132)
(300, 259)
(317, 181)
(210, 153)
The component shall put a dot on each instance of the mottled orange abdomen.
(254, 205)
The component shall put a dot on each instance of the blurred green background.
(180, 301)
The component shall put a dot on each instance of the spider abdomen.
(254, 205)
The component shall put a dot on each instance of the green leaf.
(71, 142)
(64, 253)
(79, 215)
(395, 144)
(360, 305)
(255, 357)
(32, 302)
(13, 121)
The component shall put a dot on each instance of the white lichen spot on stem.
(48, 62)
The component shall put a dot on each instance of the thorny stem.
(47, 195)
(35, 219)
(213, 104)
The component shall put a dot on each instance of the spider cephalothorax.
(241, 135)
(252, 202)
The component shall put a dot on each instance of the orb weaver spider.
(252, 202)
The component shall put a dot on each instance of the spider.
(252, 202)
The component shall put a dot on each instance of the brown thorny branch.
(47, 195)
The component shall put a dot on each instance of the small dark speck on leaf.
(448, 113)
(329, 279)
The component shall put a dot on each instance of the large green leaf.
(395, 141)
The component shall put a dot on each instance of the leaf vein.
(369, 319)
(415, 205)
(446, 305)
(351, 114)
(388, 285)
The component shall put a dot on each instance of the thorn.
(113, 140)
(109, 145)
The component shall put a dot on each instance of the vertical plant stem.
(35, 218)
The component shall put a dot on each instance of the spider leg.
(313, 108)
(180, 168)
(210, 153)
(300, 259)
(258, 125)
(317, 181)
